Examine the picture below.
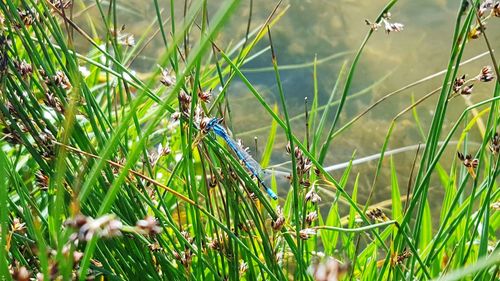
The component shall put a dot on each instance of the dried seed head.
(495, 144)
(77, 222)
(126, 39)
(106, 226)
(148, 226)
(399, 259)
(496, 9)
(317, 172)
(199, 114)
(475, 32)
(42, 180)
(77, 257)
(377, 215)
(214, 244)
(280, 220)
(204, 125)
(187, 236)
(205, 96)
(212, 181)
(393, 27)
(312, 196)
(233, 174)
(166, 78)
(484, 7)
(11, 108)
(23, 68)
(486, 74)
(467, 160)
(304, 234)
(388, 26)
(47, 138)
(52, 101)
(20, 273)
(110, 226)
(459, 82)
(183, 257)
(18, 226)
(467, 90)
(160, 152)
(11, 136)
(175, 116)
(243, 268)
(311, 217)
(186, 258)
(185, 101)
(59, 79)
(298, 152)
(155, 247)
(305, 183)
(176, 255)
(469, 163)
(373, 25)
(303, 163)
(279, 257)
(247, 226)
(28, 16)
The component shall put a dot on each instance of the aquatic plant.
(102, 174)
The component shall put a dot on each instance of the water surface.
(322, 28)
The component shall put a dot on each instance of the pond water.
(325, 28)
(390, 61)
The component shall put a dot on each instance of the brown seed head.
(167, 79)
(20, 273)
(459, 82)
(486, 74)
(148, 226)
(495, 144)
(311, 217)
(312, 196)
(377, 215)
(496, 9)
(280, 220)
(28, 16)
(467, 160)
(205, 96)
(304, 234)
(23, 68)
(42, 180)
(467, 90)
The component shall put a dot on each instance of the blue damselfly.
(253, 166)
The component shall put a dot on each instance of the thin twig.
(142, 176)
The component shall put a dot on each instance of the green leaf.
(4, 218)
(266, 156)
(397, 207)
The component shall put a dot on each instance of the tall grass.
(109, 174)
